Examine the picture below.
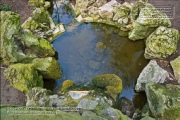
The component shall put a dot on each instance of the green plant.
(5, 7)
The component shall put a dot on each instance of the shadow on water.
(88, 49)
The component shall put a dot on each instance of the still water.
(88, 49)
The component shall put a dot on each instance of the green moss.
(66, 85)
(23, 76)
(48, 67)
(111, 82)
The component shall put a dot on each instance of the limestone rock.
(87, 104)
(48, 67)
(148, 19)
(164, 101)
(78, 94)
(37, 46)
(38, 97)
(161, 43)
(11, 46)
(151, 73)
(23, 76)
(176, 68)
(111, 82)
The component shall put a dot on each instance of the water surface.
(88, 49)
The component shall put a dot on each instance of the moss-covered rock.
(67, 84)
(11, 46)
(176, 68)
(113, 114)
(37, 46)
(41, 23)
(161, 43)
(36, 3)
(164, 101)
(148, 20)
(111, 82)
(23, 76)
(48, 67)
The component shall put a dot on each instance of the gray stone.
(164, 100)
(151, 73)
(87, 104)
(113, 114)
(94, 65)
(176, 68)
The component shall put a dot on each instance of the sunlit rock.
(111, 82)
(11, 45)
(37, 46)
(176, 68)
(78, 94)
(161, 43)
(23, 77)
(148, 19)
(151, 73)
(48, 67)
(164, 100)
(38, 97)
(92, 116)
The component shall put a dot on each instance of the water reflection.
(87, 50)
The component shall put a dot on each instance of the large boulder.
(151, 73)
(111, 82)
(148, 19)
(11, 50)
(48, 67)
(164, 100)
(23, 76)
(161, 43)
(36, 46)
(176, 68)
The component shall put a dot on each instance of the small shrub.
(5, 7)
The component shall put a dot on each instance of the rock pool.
(89, 49)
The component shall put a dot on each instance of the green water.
(87, 50)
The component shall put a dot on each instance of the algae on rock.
(23, 76)
(176, 68)
(36, 46)
(11, 51)
(161, 43)
(111, 82)
(148, 20)
(164, 100)
(47, 67)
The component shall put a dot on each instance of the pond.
(89, 49)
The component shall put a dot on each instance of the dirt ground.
(9, 95)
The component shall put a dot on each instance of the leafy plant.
(5, 7)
